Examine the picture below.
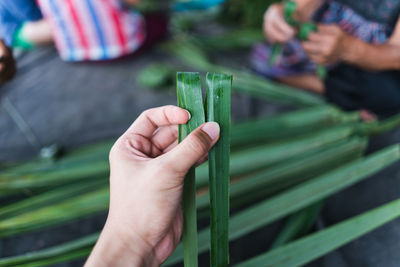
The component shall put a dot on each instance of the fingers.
(150, 120)
(278, 33)
(275, 27)
(316, 37)
(311, 48)
(192, 149)
(284, 28)
(3, 49)
(165, 137)
(328, 28)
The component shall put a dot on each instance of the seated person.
(359, 41)
(22, 24)
(7, 63)
(90, 30)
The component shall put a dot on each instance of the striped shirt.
(93, 29)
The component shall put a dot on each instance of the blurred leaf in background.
(245, 13)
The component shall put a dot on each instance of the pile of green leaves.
(320, 150)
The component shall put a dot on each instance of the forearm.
(372, 57)
(37, 32)
(307, 8)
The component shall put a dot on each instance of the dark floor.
(74, 104)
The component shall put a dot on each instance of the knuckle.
(200, 143)
(114, 151)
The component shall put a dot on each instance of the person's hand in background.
(328, 45)
(7, 64)
(276, 29)
(148, 167)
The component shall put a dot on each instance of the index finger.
(316, 37)
(152, 119)
(327, 28)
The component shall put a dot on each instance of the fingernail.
(212, 129)
(190, 116)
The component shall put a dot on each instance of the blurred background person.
(90, 30)
(359, 40)
(22, 24)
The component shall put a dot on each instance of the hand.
(328, 45)
(275, 27)
(144, 224)
(7, 64)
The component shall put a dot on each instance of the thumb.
(194, 147)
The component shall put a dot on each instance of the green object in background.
(50, 197)
(275, 53)
(245, 13)
(156, 76)
(305, 29)
(56, 254)
(218, 109)
(289, 9)
(19, 40)
(190, 98)
(298, 225)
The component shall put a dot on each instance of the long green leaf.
(76, 157)
(299, 197)
(190, 98)
(63, 176)
(257, 158)
(59, 251)
(291, 124)
(316, 245)
(49, 198)
(306, 166)
(79, 254)
(218, 105)
(380, 127)
(84, 205)
(298, 224)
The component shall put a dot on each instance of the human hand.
(276, 29)
(328, 45)
(7, 64)
(144, 224)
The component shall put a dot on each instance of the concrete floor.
(75, 104)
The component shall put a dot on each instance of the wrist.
(116, 247)
(351, 48)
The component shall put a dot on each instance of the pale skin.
(330, 45)
(37, 32)
(148, 167)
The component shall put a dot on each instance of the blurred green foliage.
(245, 13)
